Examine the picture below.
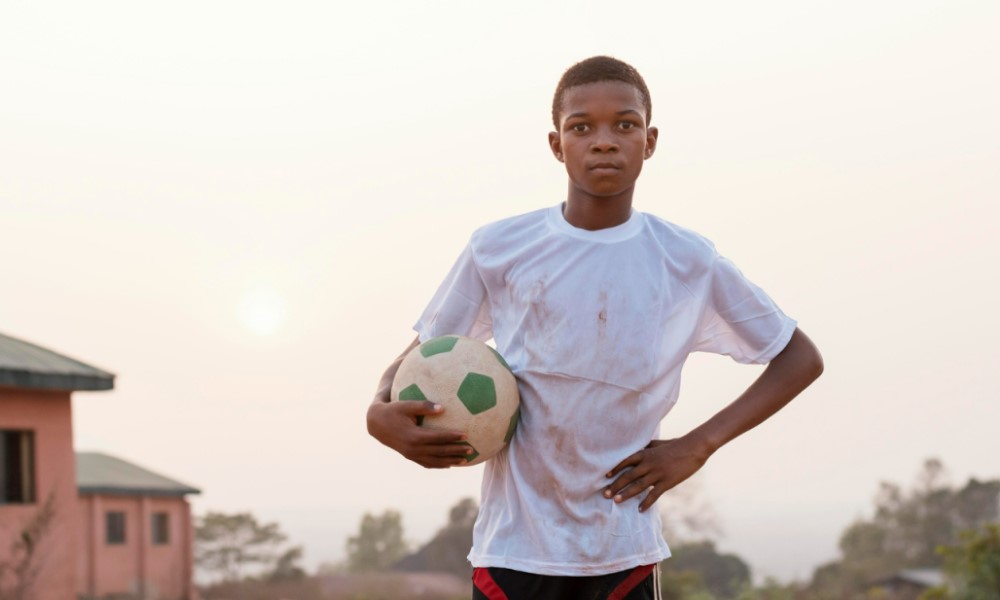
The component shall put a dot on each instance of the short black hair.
(593, 70)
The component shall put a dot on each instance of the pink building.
(135, 531)
(102, 528)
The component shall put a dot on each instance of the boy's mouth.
(604, 168)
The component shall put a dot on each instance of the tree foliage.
(696, 570)
(972, 566)
(449, 548)
(286, 567)
(378, 544)
(774, 590)
(228, 544)
(906, 529)
(683, 585)
(697, 567)
(448, 551)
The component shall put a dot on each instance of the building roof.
(25, 365)
(925, 578)
(98, 473)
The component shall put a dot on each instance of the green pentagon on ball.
(474, 455)
(413, 393)
(477, 393)
(500, 358)
(512, 426)
(438, 345)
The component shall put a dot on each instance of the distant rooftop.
(25, 365)
(98, 473)
(926, 578)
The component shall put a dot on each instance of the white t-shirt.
(596, 326)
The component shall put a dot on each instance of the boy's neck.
(593, 213)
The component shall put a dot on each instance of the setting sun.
(262, 310)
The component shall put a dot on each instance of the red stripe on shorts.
(483, 581)
(634, 578)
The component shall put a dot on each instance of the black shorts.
(492, 583)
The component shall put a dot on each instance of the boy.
(595, 307)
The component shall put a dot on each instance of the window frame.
(18, 487)
(115, 535)
(160, 525)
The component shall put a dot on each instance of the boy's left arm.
(665, 463)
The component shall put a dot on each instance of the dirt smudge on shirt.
(602, 316)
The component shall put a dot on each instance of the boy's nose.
(603, 141)
(604, 144)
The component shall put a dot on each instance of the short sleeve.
(740, 320)
(460, 306)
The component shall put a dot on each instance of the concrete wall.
(49, 415)
(138, 567)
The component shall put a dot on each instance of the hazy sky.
(176, 177)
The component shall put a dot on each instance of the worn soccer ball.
(472, 382)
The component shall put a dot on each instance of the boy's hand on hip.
(658, 467)
(395, 425)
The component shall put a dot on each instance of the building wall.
(138, 567)
(49, 415)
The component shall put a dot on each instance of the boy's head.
(601, 111)
(593, 70)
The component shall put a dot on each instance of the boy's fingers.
(438, 436)
(420, 407)
(653, 495)
(451, 450)
(625, 480)
(632, 489)
(442, 456)
(440, 462)
(628, 462)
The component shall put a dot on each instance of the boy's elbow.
(808, 360)
(816, 365)
(812, 358)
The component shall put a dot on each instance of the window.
(116, 527)
(17, 466)
(161, 528)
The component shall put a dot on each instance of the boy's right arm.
(395, 425)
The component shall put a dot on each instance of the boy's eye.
(579, 127)
(627, 125)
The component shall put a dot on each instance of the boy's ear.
(555, 144)
(652, 134)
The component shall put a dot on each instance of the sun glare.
(262, 311)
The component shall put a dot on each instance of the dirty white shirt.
(596, 326)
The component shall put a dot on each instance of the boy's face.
(603, 138)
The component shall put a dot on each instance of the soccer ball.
(472, 382)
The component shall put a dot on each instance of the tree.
(379, 542)
(229, 543)
(683, 585)
(906, 529)
(772, 590)
(696, 569)
(285, 568)
(449, 548)
(19, 571)
(463, 515)
(972, 566)
(720, 575)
